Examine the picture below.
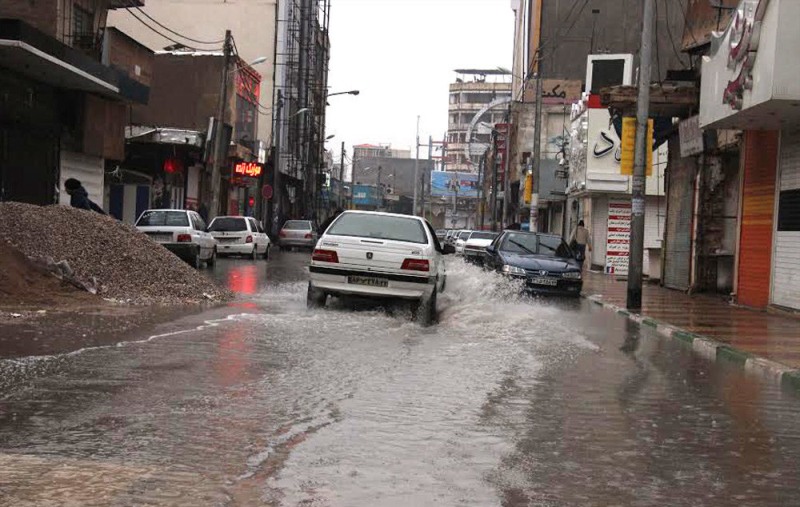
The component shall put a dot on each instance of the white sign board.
(618, 240)
(691, 137)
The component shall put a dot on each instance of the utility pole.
(506, 175)
(537, 155)
(494, 194)
(636, 254)
(426, 180)
(276, 178)
(341, 179)
(220, 152)
(416, 172)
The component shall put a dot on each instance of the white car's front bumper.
(335, 281)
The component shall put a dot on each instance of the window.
(536, 244)
(362, 225)
(483, 235)
(198, 222)
(297, 225)
(253, 225)
(82, 22)
(163, 218)
(228, 224)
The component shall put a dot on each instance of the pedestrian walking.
(79, 197)
(581, 240)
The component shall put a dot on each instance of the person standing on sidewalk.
(581, 241)
(79, 197)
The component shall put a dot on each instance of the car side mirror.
(491, 250)
(448, 249)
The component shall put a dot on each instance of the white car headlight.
(572, 275)
(513, 270)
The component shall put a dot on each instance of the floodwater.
(506, 401)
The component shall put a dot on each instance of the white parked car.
(379, 255)
(182, 232)
(297, 234)
(461, 240)
(475, 246)
(237, 235)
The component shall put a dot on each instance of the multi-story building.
(575, 53)
(67, 84)
(379, 150)
(479, 99)
(301, 81)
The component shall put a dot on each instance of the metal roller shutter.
(678, 235)
(758, 210)
(786, 267)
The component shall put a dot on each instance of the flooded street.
(506, 401)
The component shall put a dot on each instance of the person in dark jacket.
(79, 197)
(327, 223)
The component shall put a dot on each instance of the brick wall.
(41, 14)
(125, 53)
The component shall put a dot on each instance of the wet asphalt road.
(506, 401)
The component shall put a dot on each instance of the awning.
(40, 57)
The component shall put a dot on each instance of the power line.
(159, 33)
(671, 38)
(154, 20)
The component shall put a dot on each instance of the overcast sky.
(401, 55)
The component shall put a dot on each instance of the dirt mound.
(24, 283)
(103, 253)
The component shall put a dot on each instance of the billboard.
(366, 195)
(450, 183)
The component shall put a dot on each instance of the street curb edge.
(782, 375)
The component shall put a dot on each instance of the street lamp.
(350, 92)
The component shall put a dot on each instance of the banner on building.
(618, 239)
(451, 183)
(628, 146)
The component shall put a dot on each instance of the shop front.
(243, 188)
(746, 84)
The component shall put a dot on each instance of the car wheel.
(212, 261)
(196, 262)
(426, 310)
(315, 298)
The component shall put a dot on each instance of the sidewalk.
(760, 341)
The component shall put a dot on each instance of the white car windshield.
(464, 235)
(483, 235)
(228, 224)
(163, 218)
(297, 225)
(362, 225)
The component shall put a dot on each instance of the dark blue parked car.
(544, 261)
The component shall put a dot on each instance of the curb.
(777, 373)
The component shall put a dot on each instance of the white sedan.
(379, 255)
(182, 232)
(475, 247)
(239, 235)
(461, 240)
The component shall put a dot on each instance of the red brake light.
(248, 239)
(184, 238)
(282, 234)
(416, 265)
(325, 256)
(308, 235)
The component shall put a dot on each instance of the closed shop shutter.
(678, 234)
(758, 209)
(599, 229)
(654, 220)
(87, 169)
(786, 274)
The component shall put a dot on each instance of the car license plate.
(543, 280)
(161, 238)
(368, 280)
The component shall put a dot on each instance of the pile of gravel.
(104, 255)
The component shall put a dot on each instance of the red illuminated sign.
(248, 169)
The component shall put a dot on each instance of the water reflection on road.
(507, 401)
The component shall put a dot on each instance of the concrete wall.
(125, 53)
(252, 23)
(42, 14)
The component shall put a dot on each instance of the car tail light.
(282, 234)
(248, 239)
(308, 235)
(184, 238)
(325, 256)
(416, 264)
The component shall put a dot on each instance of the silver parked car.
(297, 234)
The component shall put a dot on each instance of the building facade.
(746, 86)
(69, 83)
